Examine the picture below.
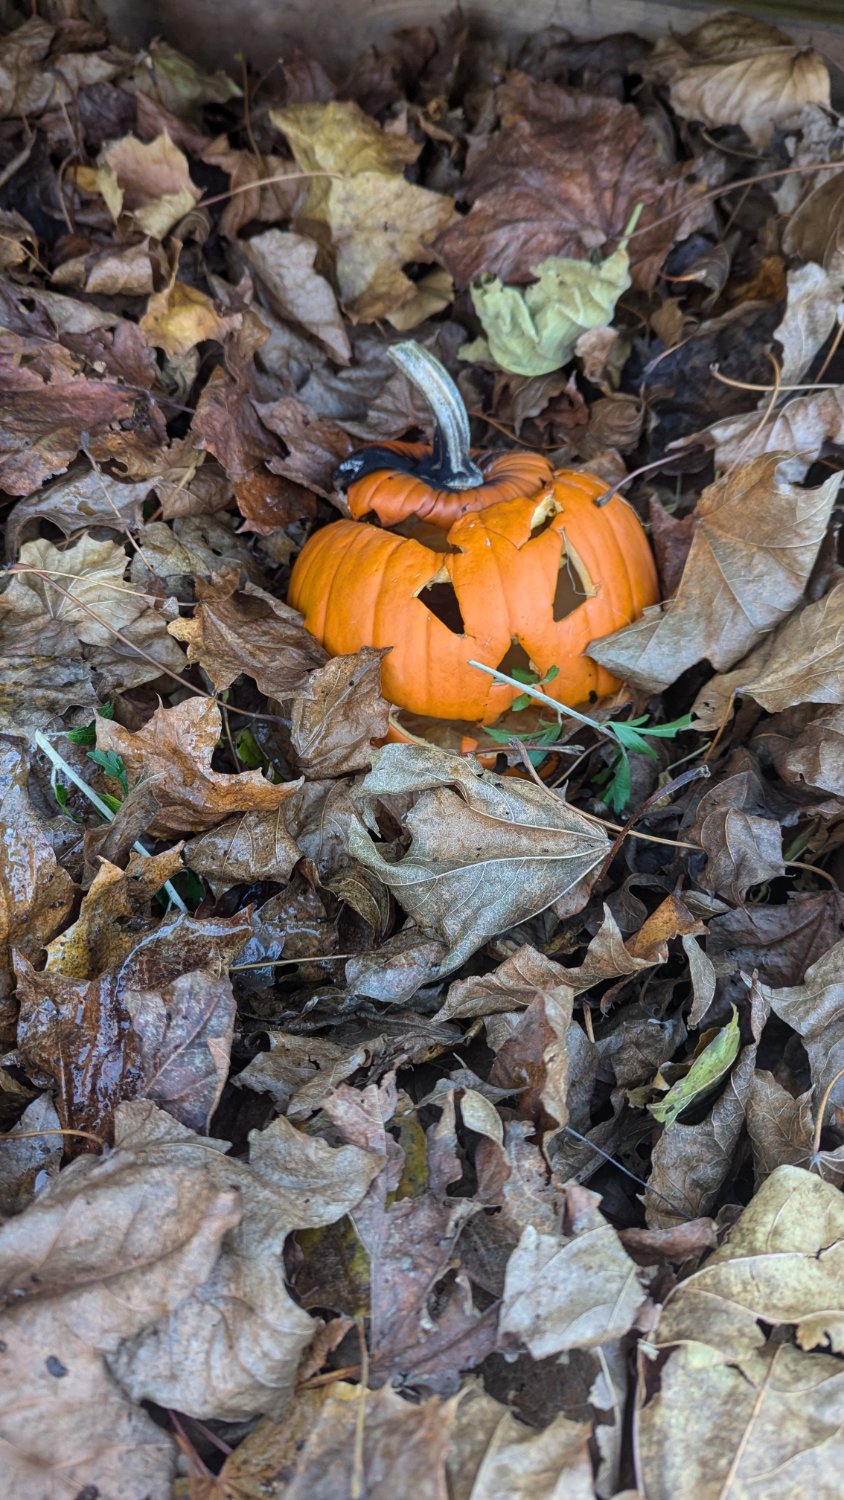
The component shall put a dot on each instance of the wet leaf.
(332, 726)
(244, 629)
(175, 747)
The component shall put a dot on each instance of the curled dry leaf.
(753, 549)
(284, 265)
(814, 230)
(797, 432)
(374, 221)
(534, 332)
(743, 849)
(36, 892)
(802, 662)
(736, 70)
(75, 503)
(47, 404)
(779, 1126)
(815, 1010)
(149, 180)
(244, 629)
(227, 425)
(485, 854)
(815, 757)
(333, 725)
(154, 1020)
(175, 746)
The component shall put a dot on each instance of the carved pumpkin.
(436, 482)
(541, 577)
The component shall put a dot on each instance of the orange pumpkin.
(441, 481)
(541, 577)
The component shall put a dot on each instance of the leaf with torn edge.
(802, 662)
(753, 550)
(486, 852)
(176, 746)
(533, 330)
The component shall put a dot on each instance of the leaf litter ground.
(371, 1120)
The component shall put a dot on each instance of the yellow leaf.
(181, 317)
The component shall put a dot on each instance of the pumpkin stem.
(450, 466)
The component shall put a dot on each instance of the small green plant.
(87, 733)
(111, 764)
(615, 780)
(629, 736)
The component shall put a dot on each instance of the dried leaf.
(313, 1453)
(814, 1010)
(243, 1307)
(149, 180)
(36, 892)
(284, 265)
(250, 846)
(780, 1127)
(736, 70)
(753, 550)
(375, 221)
(178, 319)
(574, 1292)
(802, 662)
(237, 630)
(493, 1456)
(175, 747)
(485, 853)
(560, 177)
(332, 727)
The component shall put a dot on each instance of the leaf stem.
(102, 807)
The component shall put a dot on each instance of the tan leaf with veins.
(148, 179)
(753, 550)
(237, 630)
(485, 853)
(802, 662)
(736, 70)
(176, 746)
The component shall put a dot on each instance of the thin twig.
(816, 1139)
(23, 1135)
(246, 187)
(102, 807)
(276, 963)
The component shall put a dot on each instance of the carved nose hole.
(516, 657)
(442, 601)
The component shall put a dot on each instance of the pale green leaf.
(707, 1069)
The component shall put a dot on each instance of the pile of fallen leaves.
(373, 1123)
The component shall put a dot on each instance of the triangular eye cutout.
(442, 601)
(571, 590)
